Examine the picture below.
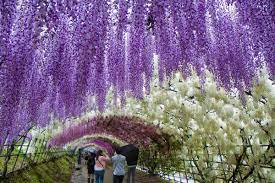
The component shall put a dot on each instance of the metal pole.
(25, 155)
(41, 150)
(44, 150)
(7, 158)
(33, 145)
(2, 145)
(47, 155)
(18, 154)
(37, 151)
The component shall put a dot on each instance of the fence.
(217, 167)
(17, 155)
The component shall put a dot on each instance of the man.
(91, 167)
(119, 162)
(78, 166)
(132, 160)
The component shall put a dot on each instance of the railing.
(17, 155)
(218, 163)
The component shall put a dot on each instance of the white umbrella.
(90, 149)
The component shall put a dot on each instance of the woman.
(91, 167)
(100, 164)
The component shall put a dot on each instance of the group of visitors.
(96, 165)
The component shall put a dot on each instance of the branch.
(198, 168)
(268, 134)
(150, 23)
(248, 92)
(249, 173)
(263, 100)
(239, 160)
(220, 156)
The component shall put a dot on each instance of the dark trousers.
(99, 176)
(118, 178)
(79, 160)
(131, 174)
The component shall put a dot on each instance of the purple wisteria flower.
(55, 54)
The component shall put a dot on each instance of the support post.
(18, 154)
(25, 154)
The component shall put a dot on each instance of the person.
(86, 158)
(91, 167)
(132, 160)
(79, 157)
(131, 173)
(119, 162)
(100, 164)
(79, 160)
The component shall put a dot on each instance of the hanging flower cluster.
(104, 145)
(88, 138)
(213, 125)
(128, 129)
(54, 54)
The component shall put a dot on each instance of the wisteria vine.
(128, 129)
(105, 145)
(54, 54)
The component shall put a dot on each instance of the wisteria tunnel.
(187, 84)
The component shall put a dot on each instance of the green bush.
(59, 169)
